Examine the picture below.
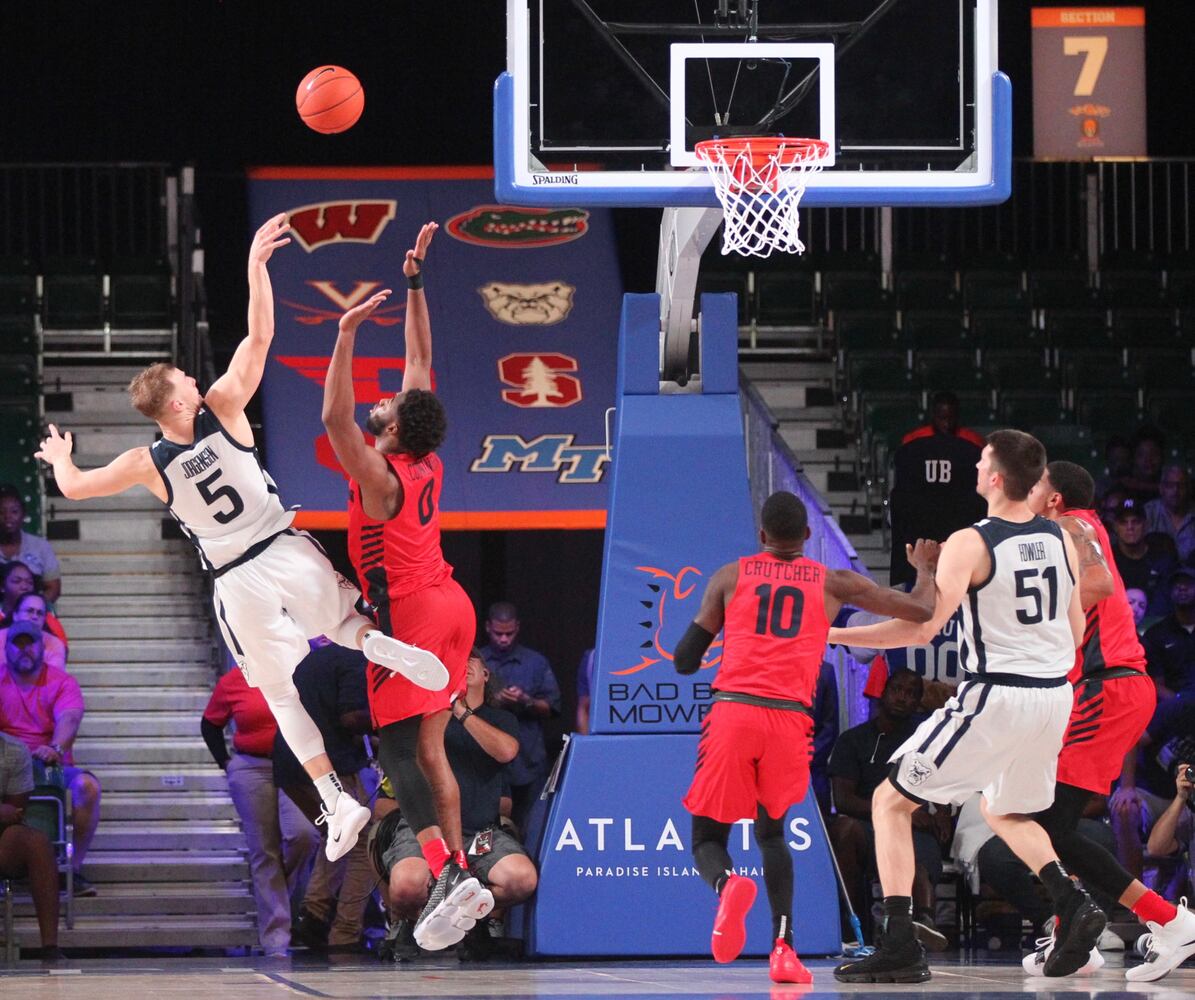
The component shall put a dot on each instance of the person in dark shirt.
(331, 684)
(933, 483)
(858, 764)
(527, 689)
(1170, 644)
(481, 741)
(1145, 561)
(825, 734)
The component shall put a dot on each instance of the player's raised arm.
(132, 468)
(711, 616)
(365, 464)
(1094, 578)
(962, 553)
(417, 371)
(231, 392)
(1074, 611)
(845, 587)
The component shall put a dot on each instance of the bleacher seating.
(140, 295)
(72, 294)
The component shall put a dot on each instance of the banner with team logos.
(524, 306)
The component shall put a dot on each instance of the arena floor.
(257, 979)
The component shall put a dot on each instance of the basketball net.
(759, 182)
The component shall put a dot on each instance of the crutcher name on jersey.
(193, 466)
(805, 572)
(1032, 551)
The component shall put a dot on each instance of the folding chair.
(49, 810)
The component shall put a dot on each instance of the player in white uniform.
(274, 587)
(1014, 575)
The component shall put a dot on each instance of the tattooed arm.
(1095, 580)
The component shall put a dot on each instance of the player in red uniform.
(394, 542)
(753, 758)
(1114, 701)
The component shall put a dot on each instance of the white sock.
(329, 788)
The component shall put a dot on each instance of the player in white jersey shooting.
(1014, 575)
(274, 587)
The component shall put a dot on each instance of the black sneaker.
(899, 963)
(926, 931)
(1080, 925)
(310, 931)
(456, 903)
(399, 944)
(79, 885)
(477, 944)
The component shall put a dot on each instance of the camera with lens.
(1189, 773)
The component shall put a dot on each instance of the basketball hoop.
(759, 182)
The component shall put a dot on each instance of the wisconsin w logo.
(318, 225)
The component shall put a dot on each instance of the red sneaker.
(785, 967)
(730, 928)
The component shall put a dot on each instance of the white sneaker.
(1166, 947)
(345, 824)
(419, 666)
(1034, 963)
(1110, 941)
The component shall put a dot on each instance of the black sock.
(1058, 884)
(898, 918)
(782, 929)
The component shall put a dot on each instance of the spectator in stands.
(17, 580)
(1173, 513)
(1174, 832)
(1110, 503)
(280, 838)
(32, 608)
(528, 689)
(1147, 782)
(1118, 463)
(1149, 447)
(17, 543)
(584, 687)
(24, 852)
(481, 741)
(1139, 605)
(858, 764)
(331, 683)
(43, 707)
(1170, 644)
(1145, 561)
(933, 483)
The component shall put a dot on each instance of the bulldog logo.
(916, 769)
(542, 304)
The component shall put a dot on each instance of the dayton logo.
(361, 290)
(538, 380)
(678, 591)
(315, 226)
(543, 304)
(546, 453)
(515, 228)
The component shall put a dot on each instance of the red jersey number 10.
(779, 612)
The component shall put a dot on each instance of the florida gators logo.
(517, 228)
(315, 226)
(663, 596)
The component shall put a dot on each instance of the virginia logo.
(318, 225)
(676, 590)
(542, 304)
(507, 227)
(361, 290)
(539, 380)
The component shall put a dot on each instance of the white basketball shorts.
(991, 738)
(269, 606)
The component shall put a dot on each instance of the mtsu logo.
(318, 225)
(515, 228)
(573, 463)
(539, 380)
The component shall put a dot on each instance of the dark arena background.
(134, 130)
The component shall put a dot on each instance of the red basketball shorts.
(439, 619)
(1107, 720)
(750, 757)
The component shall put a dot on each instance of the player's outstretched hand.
(55, 447)
(358, 314)
(269, 238)
(414, 258)
(923, 554)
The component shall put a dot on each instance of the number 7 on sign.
(1093, 48)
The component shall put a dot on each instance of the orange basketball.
(330, 99)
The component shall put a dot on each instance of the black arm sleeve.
(691, 648)
(213, 736)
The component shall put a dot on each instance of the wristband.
(464, 715)
(415, 281)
